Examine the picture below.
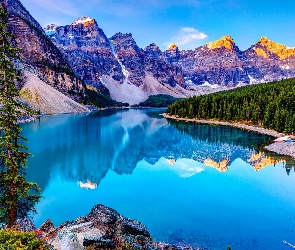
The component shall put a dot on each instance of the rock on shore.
(287, 148)
(102, 228)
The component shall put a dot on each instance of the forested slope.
(158, 101)
(270, 105)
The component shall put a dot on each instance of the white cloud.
(184, 168)
(187, 36)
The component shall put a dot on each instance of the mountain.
(131, 74)
(116, 65)
(42, 63)
(222, 63)
(88, 51)
(39, 55)
(82, 63)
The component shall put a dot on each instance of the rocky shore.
(102, 228)
(287, 148)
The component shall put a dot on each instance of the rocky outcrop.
(130, 56)
(102, 228)
(39, 55)
(164, 71)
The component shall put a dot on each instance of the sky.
(188, 23)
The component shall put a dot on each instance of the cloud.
(187, 36)
(65, 7)
(184, 168)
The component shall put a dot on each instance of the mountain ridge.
(69, 58)
(215, 66)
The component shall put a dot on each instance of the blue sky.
(189, 23)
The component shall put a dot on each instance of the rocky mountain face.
(222, 63)
(88, 51)
(131, 74)
(62, 55)
(39, 55)
(116, 64)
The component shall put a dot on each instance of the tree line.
(157, 101)
(269, 105)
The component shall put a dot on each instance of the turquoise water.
(206, 186)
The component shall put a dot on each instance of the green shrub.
(14, 240)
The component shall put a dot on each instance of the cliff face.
(39, 55)
(130, 56)
(217, 62)
(87, 50)
(164, 71)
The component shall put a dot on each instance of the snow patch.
(285, 67)
(212, 86)
(50, 29)
(124, 70)
(254, 81)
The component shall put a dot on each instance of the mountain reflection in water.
(118, 140)
(226, 144)
(139, 163)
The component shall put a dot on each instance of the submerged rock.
(102, 228)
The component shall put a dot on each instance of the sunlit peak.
(86, 21)
(280, 50)
(173, 46)
(225, 42)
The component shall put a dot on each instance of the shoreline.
(283, 148)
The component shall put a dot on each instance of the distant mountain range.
(79, 56)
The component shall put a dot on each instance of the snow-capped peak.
(83, 20)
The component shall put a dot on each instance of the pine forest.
(269, 105)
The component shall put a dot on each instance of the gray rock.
(67, 240)
(99, 242)
(134, 227)
(25, 225)
(47, 226)
(104, 228)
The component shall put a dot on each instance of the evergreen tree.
(266, 121)
(17, 196)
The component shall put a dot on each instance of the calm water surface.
(207, 186)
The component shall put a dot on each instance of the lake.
(202, 185)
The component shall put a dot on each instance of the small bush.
(13, 240)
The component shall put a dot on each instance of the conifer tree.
(17, 196)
